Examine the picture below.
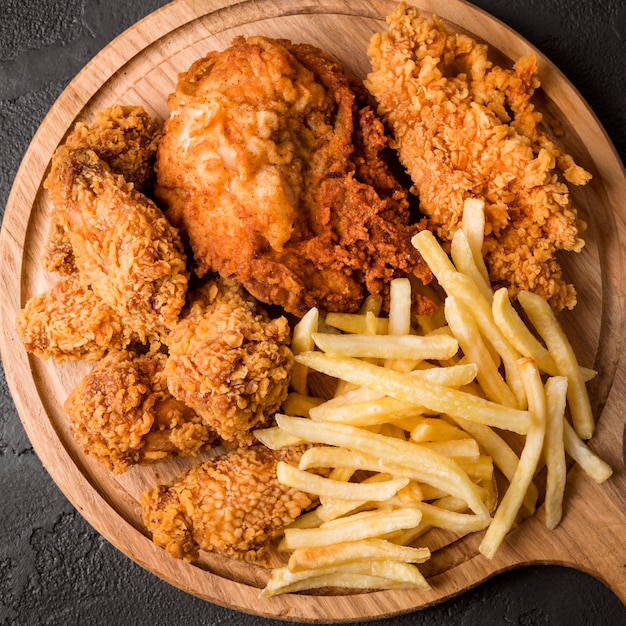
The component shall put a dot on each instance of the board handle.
(591, 536)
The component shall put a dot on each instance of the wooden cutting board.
(140, 67)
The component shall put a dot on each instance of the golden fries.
(408, 440)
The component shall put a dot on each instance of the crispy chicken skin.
(123, 246)
(229, 361)
(69, 322)
(124, 137)
(122, 413)
(233, 505)
(465, 128)
(272, 165)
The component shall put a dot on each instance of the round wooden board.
(141, 67)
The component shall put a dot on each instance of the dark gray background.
(54, 568)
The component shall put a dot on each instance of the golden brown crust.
(274, 169)
(466, 128)
(233, 505)
(122, 413)
(230, 361)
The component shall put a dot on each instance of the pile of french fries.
(422, 417)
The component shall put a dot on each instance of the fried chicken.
(124, 248)
(465, 128)
(232, 505)
(122, 413)
(229, 361)
(272, 165)
(126, 139)
(70, 322)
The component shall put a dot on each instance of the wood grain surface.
(141, 67)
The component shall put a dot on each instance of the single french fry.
(300, 404)
(466, 447)
(471, 342)
(318, 485)
(362, 525)
(435, 429)
(432, 252)
(409, 389)
(464, 260)
(373, 549)
(414, 347)
(302, 341)
(596, 468)
(516, 331)
(554, 449)
(511, 503)
(543, 319)
(356, 323)
(276, 438)
(473, 226)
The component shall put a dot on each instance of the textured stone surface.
(54, 568)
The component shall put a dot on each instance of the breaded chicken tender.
(272, 164)
(126, 139)
(122, 413)
(230, 361)
(465, 128)
(232, 505)
(124, 248)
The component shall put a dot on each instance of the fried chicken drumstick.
(272, 165)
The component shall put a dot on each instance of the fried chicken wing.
(124, 137)
(465, 128)
(123, 246)
(122, 413)
(233, 505)
(273, 166)
(229, 361)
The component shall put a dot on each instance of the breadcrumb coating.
(122, 413)
(233, 505)
(465, 128)
(229, 361)
(126, 139)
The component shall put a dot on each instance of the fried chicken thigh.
(122, 413)
(465, 128)
(272, 165)
(233, 505)
(230, 361)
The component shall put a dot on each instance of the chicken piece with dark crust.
(466, 128)
(232, 505)
(230, 361)
(123, 414)
(124, 137)
(272, 164)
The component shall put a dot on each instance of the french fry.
(407, 388)
(354, 575)
(516, 331)
(473, 227)
(318, 485)
(589, 461)
(414, 347)
(543, 319)
(435, 429)
(373, 549)
(356, 323)
(276, 438)
(432, 252)
(302, 341)
(399, 307)
(466, 447)
(511, 503)
(300, 404)
(441, 471)
(554, 449)
(471, 342)
(465, 263)
(463, 288)
(361, 525)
